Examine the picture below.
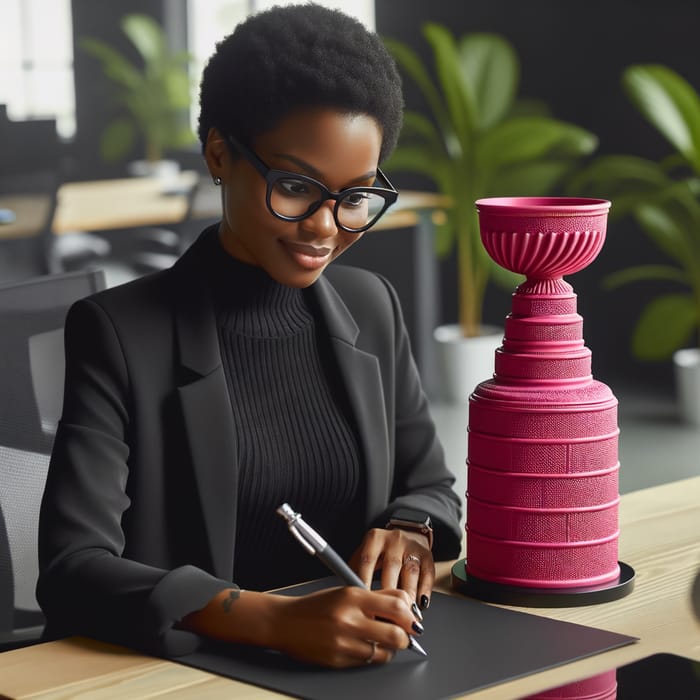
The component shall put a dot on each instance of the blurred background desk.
(659, 539)
(123, 203)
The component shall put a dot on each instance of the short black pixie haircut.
(300, 56)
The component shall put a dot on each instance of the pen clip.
(309, 539)
(300, 539)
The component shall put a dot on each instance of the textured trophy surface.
(542, 464)
(602, 686)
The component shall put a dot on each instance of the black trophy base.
(541, 597)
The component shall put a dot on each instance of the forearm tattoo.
(233, 596)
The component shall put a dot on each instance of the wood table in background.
(30, 210)
(660, 539)
(123, 203)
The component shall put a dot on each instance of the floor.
(654, 445)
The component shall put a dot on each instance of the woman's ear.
(216, 153)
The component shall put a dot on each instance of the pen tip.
(414, 646)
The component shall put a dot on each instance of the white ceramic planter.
(686, 366)
(464, 362)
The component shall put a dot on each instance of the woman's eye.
(294, 187)
(357, 199)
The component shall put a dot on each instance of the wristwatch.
(415, 520)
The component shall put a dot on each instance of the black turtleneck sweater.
(294, 430)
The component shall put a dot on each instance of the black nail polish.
(417, 628)
(424, 602)
(416, 611)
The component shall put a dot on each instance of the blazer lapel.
(207, 414)
(361, 374)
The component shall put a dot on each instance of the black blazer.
(138, 518)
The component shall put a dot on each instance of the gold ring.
(410, 558)
(370, 658)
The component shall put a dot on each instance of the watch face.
(411, 517)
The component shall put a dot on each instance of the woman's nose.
(322, 221)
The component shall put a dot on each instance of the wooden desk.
(123, 203)
(31, 213)
(660, 539)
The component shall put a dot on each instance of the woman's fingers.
(417, 577)
(368, 557)
(404, 559)
(345, 626)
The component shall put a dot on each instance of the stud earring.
(217, 181)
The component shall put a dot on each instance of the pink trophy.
(602, 686)
(542, 462)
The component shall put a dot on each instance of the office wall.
(572, 55)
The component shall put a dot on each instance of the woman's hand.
(404, 558)
(341, 627)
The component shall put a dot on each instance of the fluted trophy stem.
(542, 464)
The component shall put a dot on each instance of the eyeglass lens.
(292, 197)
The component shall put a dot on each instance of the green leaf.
(490, 66)
(626, 180)
(146, 35)
(444, 237)
(416, 125)
(408, 60)
(665, 325)
(459, 100)
(528, 107)
(117, 140)
(420, 159)
(670, 103)
(527, 138)
(114, 65)
(533, 179)
(176, 86)
(662, 225)
(642, 273)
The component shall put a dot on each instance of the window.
(36, 62)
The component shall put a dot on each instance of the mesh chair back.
(40, 191)
(32, 315)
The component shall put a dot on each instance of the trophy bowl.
(543, 237)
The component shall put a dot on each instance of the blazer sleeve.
(421, 478)
(85, 586)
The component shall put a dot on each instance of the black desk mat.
(470, 645)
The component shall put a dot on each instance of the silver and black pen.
(314, 544)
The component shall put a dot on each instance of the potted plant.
(155, 95)
(478, 141)
(664, 199)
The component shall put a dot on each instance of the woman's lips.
(308, 256)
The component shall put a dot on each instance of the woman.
(250, 374)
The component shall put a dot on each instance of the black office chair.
(32, 315)
(44, 252)
(158, 248)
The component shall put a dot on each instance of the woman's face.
(337, 149)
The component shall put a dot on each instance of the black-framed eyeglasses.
(293, 196)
